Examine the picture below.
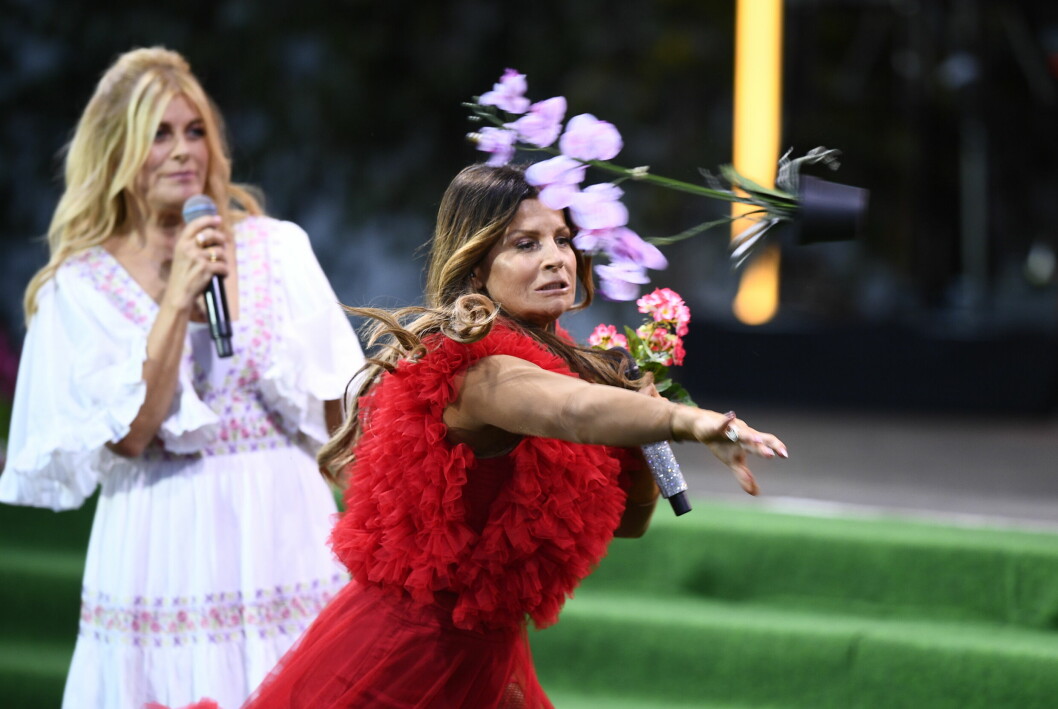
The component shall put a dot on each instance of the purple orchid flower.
(498, 142)
(557, 178)
(598, 207)
(588, 138)
(627, 246)
(621, 244)
(592, 241)
(543, 123)
(620, 280)
(508, 94)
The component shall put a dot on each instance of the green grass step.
(32, 674)
(36, 527)
(689, 650)
(569, 699)
(876, 566)
(42, 599)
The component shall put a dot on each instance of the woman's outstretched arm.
(510, 395)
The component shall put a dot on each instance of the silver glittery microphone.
(661, 461)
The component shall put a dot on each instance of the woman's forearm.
(165, 348)
(518, 397)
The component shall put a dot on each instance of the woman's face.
(178, 160)
(532, 270)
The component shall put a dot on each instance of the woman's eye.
(161, 134)
(525, 245)
(564, 240)
(197, 132)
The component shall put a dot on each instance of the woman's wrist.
(681, 422)
(176, 306)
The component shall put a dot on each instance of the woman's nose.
(180, 147)
(552, 257)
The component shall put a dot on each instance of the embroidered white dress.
(208, 553)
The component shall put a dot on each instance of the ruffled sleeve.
(315, 352)
(79, 387)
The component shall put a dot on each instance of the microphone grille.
(198, 206)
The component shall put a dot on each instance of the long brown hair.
(478, 206)
(111, 144)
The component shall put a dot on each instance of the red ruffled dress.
(451, 555)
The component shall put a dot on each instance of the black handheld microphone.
(216, 301)
(660, 459)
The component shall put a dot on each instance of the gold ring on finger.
(212, 255)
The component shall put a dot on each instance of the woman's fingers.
(765, 445)
(206, 243)
(199, 254)
(774, 444)
(745, 478)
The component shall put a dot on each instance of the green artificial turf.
(729, 607)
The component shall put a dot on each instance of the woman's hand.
(730, 439)
(199, 254)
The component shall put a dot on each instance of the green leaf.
(693, 231)
(653, 365)
(741, 181)
(677, 393)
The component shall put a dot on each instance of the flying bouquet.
(514, 123)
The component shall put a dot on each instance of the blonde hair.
(110, 146)
(478, 206)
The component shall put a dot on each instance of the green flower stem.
(771, 201)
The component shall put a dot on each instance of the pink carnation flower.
(606, 336)
(666, 346)
(666, 305)
(508, 94)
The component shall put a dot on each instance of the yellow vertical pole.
(757, 122)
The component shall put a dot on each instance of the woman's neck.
(146, 250)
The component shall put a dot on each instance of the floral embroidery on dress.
(246, 423)
(98, 267)
(214, 618)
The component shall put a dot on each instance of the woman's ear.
(475, 280)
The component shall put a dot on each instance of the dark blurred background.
(348, 115)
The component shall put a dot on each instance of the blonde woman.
(207, 556)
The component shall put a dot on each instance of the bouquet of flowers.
(514, 123)
(655, 345)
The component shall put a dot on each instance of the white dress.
(208, 553)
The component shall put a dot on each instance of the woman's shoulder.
(284, 242)
(93, 270)
(86, 263)
(505, 338)
(263, 225)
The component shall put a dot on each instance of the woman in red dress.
(489, 462)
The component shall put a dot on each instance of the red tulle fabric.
(450, 554)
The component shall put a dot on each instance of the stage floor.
(976, 469)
